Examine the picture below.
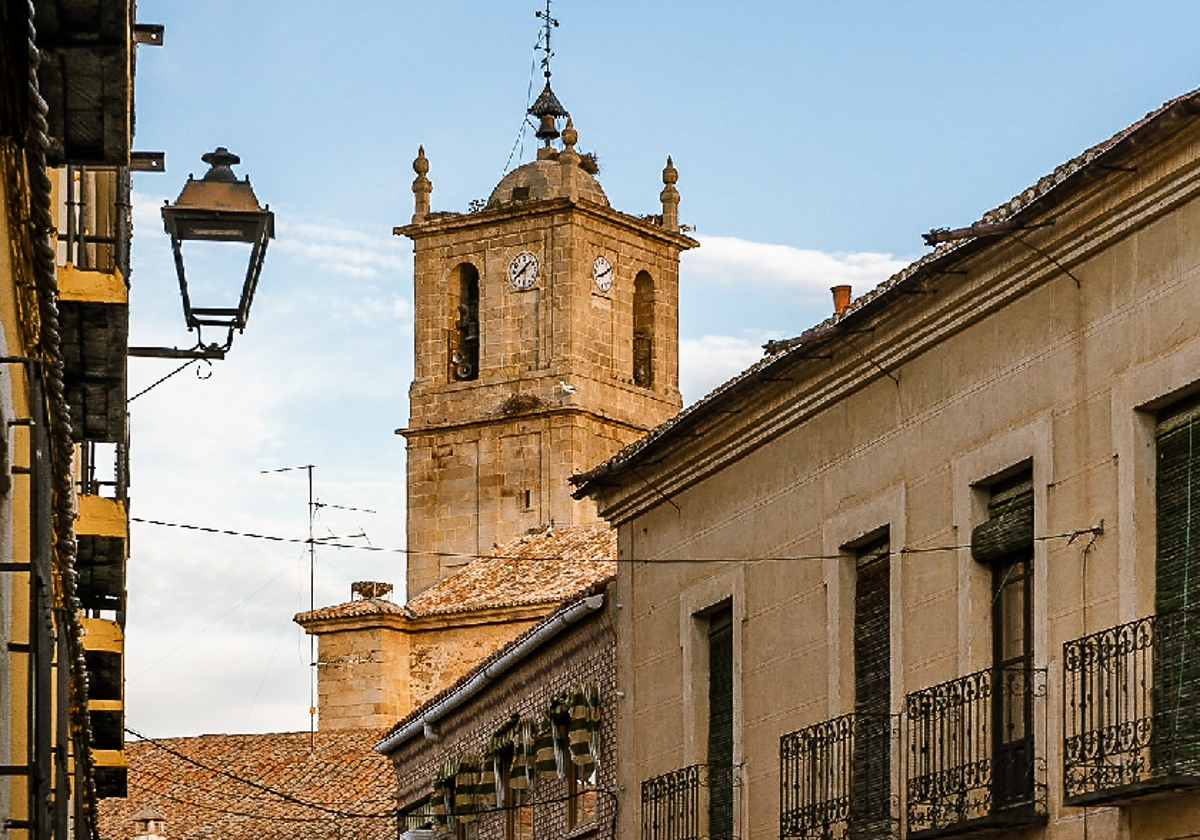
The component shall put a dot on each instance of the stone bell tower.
(546, 339)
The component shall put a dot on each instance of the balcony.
(693, 803)
(101, 531)
(836, 780)
(104, 649)
(1131, 709)
(973, 760)
(94, 321)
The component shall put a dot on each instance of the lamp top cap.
(220, 161)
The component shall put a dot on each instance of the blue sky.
(815, 142)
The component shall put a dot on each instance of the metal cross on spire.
(548, 24)
(546, 107)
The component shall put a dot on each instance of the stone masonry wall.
(489, 458)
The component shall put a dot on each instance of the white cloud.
(345, 251)
(729, 260)
(709, 361)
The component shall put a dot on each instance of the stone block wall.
(489, 458)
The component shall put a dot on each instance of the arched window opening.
(463, 333)
(643, 330)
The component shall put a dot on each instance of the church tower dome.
(542, 179)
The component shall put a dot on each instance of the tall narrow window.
(643, 330)
(581, 795)
(1005, 543)
(518, 810)
(720, 724)
(1177, 590)
(870, 771)
(462, 301)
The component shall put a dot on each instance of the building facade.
(66, 123)
(931, 574)
(546, 339)
(521, 746)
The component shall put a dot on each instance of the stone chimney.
(148, 824)
(362, 659)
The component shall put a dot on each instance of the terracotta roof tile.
(352, 609)
(534, 569)
(342, 790)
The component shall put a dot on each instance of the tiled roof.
(1048, 191)
(352, 609)
(259, 787)
(534, 569)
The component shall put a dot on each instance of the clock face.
(523, 270)
(602, 274)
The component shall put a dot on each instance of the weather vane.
(548, 23)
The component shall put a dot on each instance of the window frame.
(577, 790)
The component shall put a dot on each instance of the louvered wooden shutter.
(720, 724)
(1177, 592)
(870, 775)
(1177, 499)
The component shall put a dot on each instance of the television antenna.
(314, 505)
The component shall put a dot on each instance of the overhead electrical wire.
(287, 797)
(1070, 536)
(331, 812)
(133, 782)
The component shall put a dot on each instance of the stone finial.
(421, 186)
(670, 197)
(570, 136)
(368, 589)
(569, 160)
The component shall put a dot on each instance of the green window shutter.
(720, 724)
(1176, 745)
(1177, 499)
(720, 688)
(1009, 526)
(872, 632)
(870, 768)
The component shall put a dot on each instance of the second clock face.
(602, 274)
(523, 270)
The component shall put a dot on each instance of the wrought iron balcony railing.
(1131, 709)
(835, 780)
(973, 760)
(694, 803)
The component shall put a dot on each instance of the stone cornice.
(426, 623)
(437, 223)
(533, 416)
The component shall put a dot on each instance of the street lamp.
(216, 208)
